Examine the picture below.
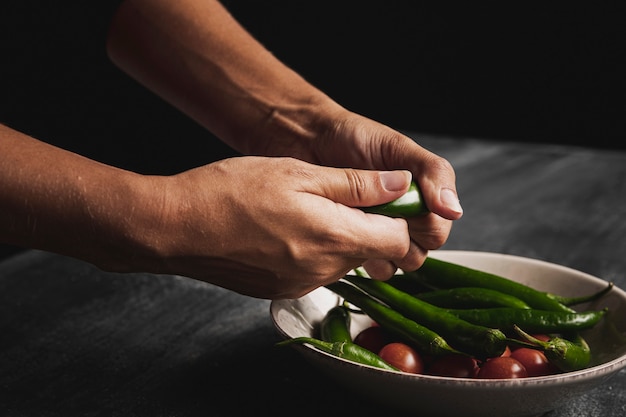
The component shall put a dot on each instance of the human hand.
(355, 141)
(276, 227)
(273, 111)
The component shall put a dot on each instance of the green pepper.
(435, 272)
(470, 297)
(346, 350)
(335, 326)
(565, 354)
(570, 301)
(421, 337)
(410, 204)
(531, 320)
(442, 274)
(480, 341)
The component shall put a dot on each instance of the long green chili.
(410, 204)
(570, 301)
(346, 350)
(477, 340)
(443, 274)
(531, 320)
(422, 337)
(335, 326)
(470, 297)
(565, 354)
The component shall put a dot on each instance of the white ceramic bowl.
(445, 396)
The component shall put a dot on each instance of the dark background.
(550, 73)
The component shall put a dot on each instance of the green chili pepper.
(470, 297)
(570, 301)
(335, 326)
(423, 338)
(564, 354)
(442, 274)
(410, 204)
(479, 341)
(531, 320)
(437, 272)
(346, 350)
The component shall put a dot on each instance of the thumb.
(365, 188)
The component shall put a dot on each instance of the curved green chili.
(423, 338)
(436, 272)
(443, 274)
(570, 301)
(410, 204)
(531, 320)
(564, 354)
(335, 326)
(346, 350)
(470, 297)
(476, 340)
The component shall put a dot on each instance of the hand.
(359, 142)
(276, 227)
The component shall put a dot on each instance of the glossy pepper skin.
(531, 320)
(435, 272)
(570, 301)
(567, 355)
(335, 326)
(479, 341)
(443, 274)
(422, 337)
(411, 204)
(346, 350)
(470, 297)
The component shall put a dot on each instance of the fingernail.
(451, 200)
(395, 180)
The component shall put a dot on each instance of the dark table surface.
(76, 341)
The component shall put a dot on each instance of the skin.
(276, 223)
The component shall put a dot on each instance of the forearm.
(56, 200)
(196, 56)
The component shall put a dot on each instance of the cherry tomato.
(403, 357)
(502, 367)
(372, 338)
(534, 361)
(454, 365)
(507, 351)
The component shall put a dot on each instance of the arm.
(259, 226)
(274, 227)
(196, 56)
(56, 200)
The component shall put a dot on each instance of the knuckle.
(357, 184)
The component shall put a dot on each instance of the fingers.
(428, 233)
(379, 268)
(363, 188)
(437, 181)
(384, 269)
(386, 242)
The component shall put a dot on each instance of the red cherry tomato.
(454, 365)
(502, 367)
(372, 338)
(534, 361)
(403, 357)
(542, 337)
(507, 351)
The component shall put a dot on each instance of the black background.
(532, 72)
